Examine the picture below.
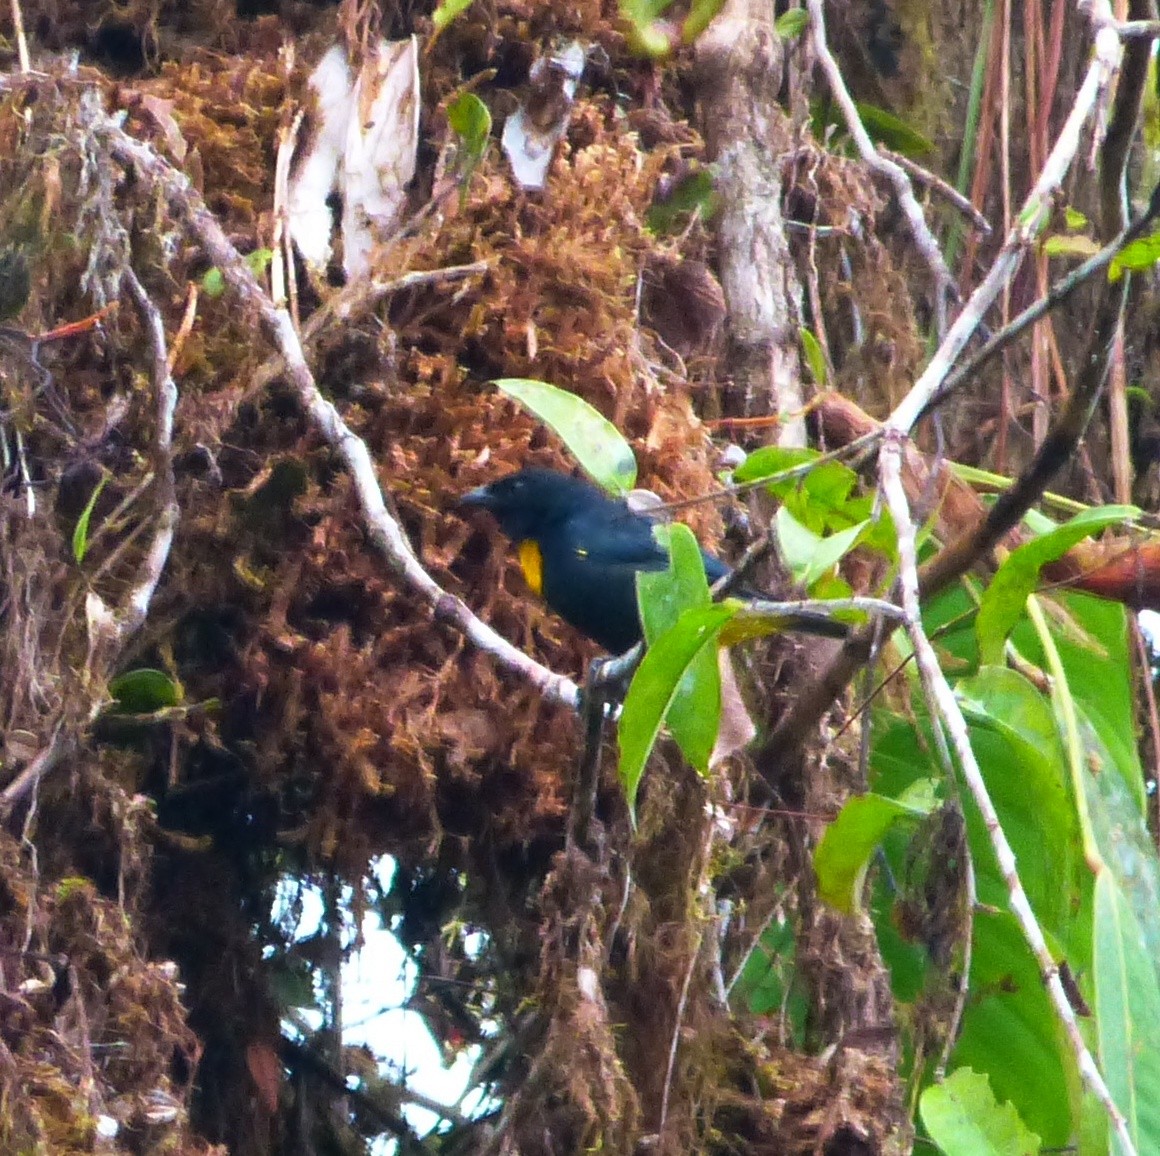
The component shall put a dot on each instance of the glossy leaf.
(1127, 1013)
(144, 691)
(593, 440)
(770, 461)
(470, 120)
(808, 555)
(1010, 1031)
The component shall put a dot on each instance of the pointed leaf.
(1005, 598)
(656, 684)
(664, 596)
(593, 440)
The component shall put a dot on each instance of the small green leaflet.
(447, 11)
(80, 538)
(811, 347)
(1137, 255)
(791, 24)
(470, 120)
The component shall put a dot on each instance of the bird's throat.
(532, 564)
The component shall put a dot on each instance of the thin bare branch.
(385, 533)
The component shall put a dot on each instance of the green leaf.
(1004, 600)
(1135, 256)
(664, 595)
(1074, 219)
(1016, 739)
(593, 440)
(694, 714)
(811, 347)
(1115, 814)
(850, 841)
(80, 538)
(645, 36)
(964, 1119)
(1127, 1013)
(770, 461)
(808, 555)
(1010, 1031)
(447, 11)
(470, 120)
(790, 25)
(656, 684)
(259, 261)
(144, 691)
(890, 130)
(770, 984)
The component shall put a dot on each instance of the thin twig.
(694, 956)
(1056, 296)
(944, 189)
(920, 230)
(964, 969)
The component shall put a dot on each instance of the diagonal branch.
(384, 531)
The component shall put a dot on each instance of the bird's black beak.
(480, 498)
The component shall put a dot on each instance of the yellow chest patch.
(532, 564)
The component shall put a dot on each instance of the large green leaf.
(656, 684)
(1122, 839)
(1006, 596)
(1010, 1031)
(664, 595)
(1015, 737)
(593, 440)
(1128, 1014)
(963, 1118)
(1098, 663)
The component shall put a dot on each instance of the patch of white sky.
(377, 981)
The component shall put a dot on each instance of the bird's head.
(526, 503)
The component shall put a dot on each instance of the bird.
(580, 550)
